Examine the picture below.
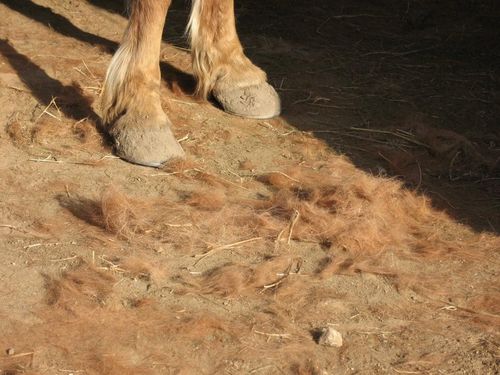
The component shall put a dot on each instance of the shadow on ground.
(73, 102)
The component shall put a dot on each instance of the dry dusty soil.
(370, 207)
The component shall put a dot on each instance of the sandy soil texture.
(369, 209)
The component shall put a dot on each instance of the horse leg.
(130, 103)
(222, 68)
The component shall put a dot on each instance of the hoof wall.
(257, 101)
(139, 141)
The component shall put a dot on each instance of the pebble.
(330, 337)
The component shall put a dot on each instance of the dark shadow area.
(177, 79)
(62, 25)
(113, 6)
(71, 100)
(404, 89)
(84, 209)
(316, 334)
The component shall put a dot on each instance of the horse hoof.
(256, 101)
(145, 141)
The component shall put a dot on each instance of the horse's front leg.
(131, 107)
(222, 68)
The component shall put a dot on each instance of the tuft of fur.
(119, 214)
(234, 280)
(114, 95)
(212, 200)
(80, 290)
(19, 134)
(347, 209)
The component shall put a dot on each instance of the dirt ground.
(371, 207)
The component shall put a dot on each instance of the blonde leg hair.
(133, 76)
(216, 49)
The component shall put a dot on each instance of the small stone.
(330, 337)
(10, 351)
